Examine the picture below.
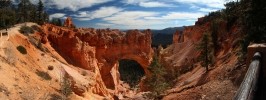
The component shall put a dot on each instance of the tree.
(46, 17)
(40, 12)
(7, 17)
(157, 82)
(254, 25)
(25, 10)
(5, 3)
(206, 50)
(214, 37)
(56, 21)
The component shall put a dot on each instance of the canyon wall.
(99, 50)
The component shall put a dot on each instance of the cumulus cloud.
(100, 13)
(133, 19)
(57, 15)
(146, 19)
(73, 5)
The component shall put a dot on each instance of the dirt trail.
(11, 31)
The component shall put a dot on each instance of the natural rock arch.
(100, 49)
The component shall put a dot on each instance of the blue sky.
(132, 14)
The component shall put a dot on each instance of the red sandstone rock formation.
(182, 56)
(68, 23)
(178, 37)
(99, 50)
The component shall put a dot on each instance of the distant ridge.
(164, 36)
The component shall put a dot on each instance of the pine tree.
(45, 17)
(56, 21)
(40, 13)
(24, 10)
(7, 14)
(5, 3)
(206, 49)
(214, 37)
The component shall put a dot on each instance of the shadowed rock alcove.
(131, 72)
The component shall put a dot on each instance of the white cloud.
(179, 15)
(73, 5)
(132, 2)
(57, 15)
(154, 4)
(147, 3)
(210, 3)
(207, 10)
(100, 13)
(133, 19)
(145, 19)
(104, 25)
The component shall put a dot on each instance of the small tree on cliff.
(157, 83)
(206, 49)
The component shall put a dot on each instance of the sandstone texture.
(193, 81)
(99, 50)
(69, 23)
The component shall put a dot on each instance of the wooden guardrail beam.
(249, 85)
(252, 49)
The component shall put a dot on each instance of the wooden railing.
(249, 85)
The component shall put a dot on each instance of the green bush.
(35, 27)
(21, 49)
(26, 30)
(43, 75)
(157, 83)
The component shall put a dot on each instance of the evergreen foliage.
(26, 30)
(214, 35)
(206, 48)
(56, 21)
(24, 11)
(157, 83)
(255, 21)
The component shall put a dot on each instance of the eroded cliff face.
(99, 50)
(193, 81)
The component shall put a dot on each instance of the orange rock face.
(99, 50)
(68, 22)
(178, 37)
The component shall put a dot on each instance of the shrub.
(35, 27)
(55, 97)
(84, 73)
(43, 75)
(65, 87)
(21, 49)
(50, 67)
(26, 30)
